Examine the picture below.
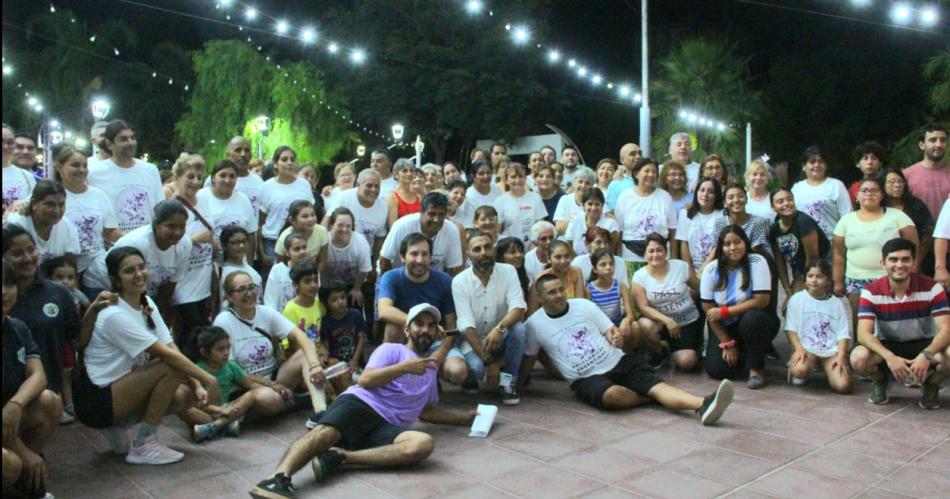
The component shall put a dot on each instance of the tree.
(936, 72)
(440, 74)
(234, 83)
(708, 76)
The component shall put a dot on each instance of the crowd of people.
(230, 289)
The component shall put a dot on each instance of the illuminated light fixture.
(333, 48)
(308, 35)
(54, 123)
(250, 13)
(901, 13)
(520, 34)
(398, 131)
(282, 27)
(581, 71)
(358, 56)
(929, 16)
(225, 3)
(80, 142)
(553, 56)
(571, 63)
(624, 90)
(473, 6)
(637, 98)
(860, 3)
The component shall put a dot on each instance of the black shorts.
(906, 349)
(359, 425)
(630, 372)
(691, 337)
(93, 403)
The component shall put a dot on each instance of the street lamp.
(361, 150)
(100, 108)
(262, 126)
(398, 131)
(420, 145)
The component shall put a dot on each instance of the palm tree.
(936, 71)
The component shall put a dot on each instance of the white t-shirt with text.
(575, 341)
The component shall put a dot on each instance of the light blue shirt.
(615, 189)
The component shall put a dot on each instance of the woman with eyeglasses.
(898, 196)
(858, 239)
(234, 244)
(256, 334)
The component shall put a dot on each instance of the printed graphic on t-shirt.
(201, 254)
(576, 346)
(132, 207)
(223, 221)
(816, 334)
(11, 193)
(90, 238)
(815, 209)
(342, 342)
(255, 355)
(788, 245)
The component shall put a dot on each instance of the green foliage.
(936, 71)
(235, 84)
(705, 75)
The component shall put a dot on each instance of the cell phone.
(452, 332)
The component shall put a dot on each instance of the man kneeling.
(585, 346)
(368, 424)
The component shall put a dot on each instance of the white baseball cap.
(422, 308)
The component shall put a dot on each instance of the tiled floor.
(781, 441)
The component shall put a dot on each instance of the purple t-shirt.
(401, 400)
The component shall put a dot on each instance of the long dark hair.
(907, 198)
(42, 190)
(501, 248)
(594, 258)
(717, 190)
(113, 261)
(723, 266)
(295, 208)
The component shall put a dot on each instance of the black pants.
(190, 316)
(753, 333)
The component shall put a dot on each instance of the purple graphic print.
(10, 195)
(89, 226)
(133, 208)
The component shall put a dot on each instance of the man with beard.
(570, 158)
(446, 254)
(134, 186)
(368, 425)
(490, 307)
(681, 149)
(929, 179)
(381, 160)
(585, 347)
(903, 328)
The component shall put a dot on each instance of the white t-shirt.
(567, 209)
(249, 348)
(63, 237)
(761, 208)
(92, 213)
(17, 185)
(575, 341)
(641, 215)
(465, 215)
(119, 341)
(819, 324)
(370, 222)
(446, 247)
(671, 296)
(478, 199)
(532, 266)
(343, 263)
(578, 228)
(942, 227)
(275, 202)
(387, 186)
(226, 270)
(583, 262)
(196, 284)
(700, 235)
(134, 191)
(251, 186)
(236, 210)
(280, 288)
(692, 176)
(733, 294)
(826, 202)
(517, 215)
(163, 266)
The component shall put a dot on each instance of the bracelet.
(727, 344)
(724, 311)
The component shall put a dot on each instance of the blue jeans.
(512, 347)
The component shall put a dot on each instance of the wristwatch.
(928, 355)
(501, 329)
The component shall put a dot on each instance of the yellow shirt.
(306, 318)
(317, 240)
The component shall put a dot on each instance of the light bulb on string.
(308, 35)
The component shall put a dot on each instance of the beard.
(484, 264)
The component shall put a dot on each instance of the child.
(560, 265)
(343, 331)
(63, 271)
(234, 239)
(486, 220)
(280, 289)
(609, 294)
(214, 346)
(817, 327)
(305, 311)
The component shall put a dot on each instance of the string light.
(473, 6)
(554, 55)
(250, 13)
(308, 35)
(282, 27)
(701, 120)
(333, 48)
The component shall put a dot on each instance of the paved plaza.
(781, 441)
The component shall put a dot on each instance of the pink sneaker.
(153, 452)
(118, 438)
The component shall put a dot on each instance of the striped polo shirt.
(904, 319)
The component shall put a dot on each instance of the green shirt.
(228, 377)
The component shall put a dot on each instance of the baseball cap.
(422, 308)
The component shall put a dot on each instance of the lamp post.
(420, 145)
(645, 133)
(398, 132)
(262, 125)
(100, 108)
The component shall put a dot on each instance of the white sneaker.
(153, 452)
(118, 438)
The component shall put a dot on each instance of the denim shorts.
(855, 286)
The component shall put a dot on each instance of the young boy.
(342, 331)
(62, 270)
(305, 311)
(868, 157)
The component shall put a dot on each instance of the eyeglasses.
(869, 191)
(244, 290)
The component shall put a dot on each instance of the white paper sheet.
(484, 421)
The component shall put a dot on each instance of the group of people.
(216, 295)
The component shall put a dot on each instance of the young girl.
(234, 241)
(342, 332)
(214, 346)
(606, 291)
(279, 289)
(302, 218)
(817, 327)
(571, 276)
(63, 271)
(486, 219)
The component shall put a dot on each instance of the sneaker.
(878, 394)
(67, 418)
(202, 432)
(929, 396)
(799, 381)
(715, 404)
(279, 487)
(470, 386)
(314, 419)
(326, 464)
(509, 396)
(233, 428)
(756, 382)
(153, 452)
(118, 438)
